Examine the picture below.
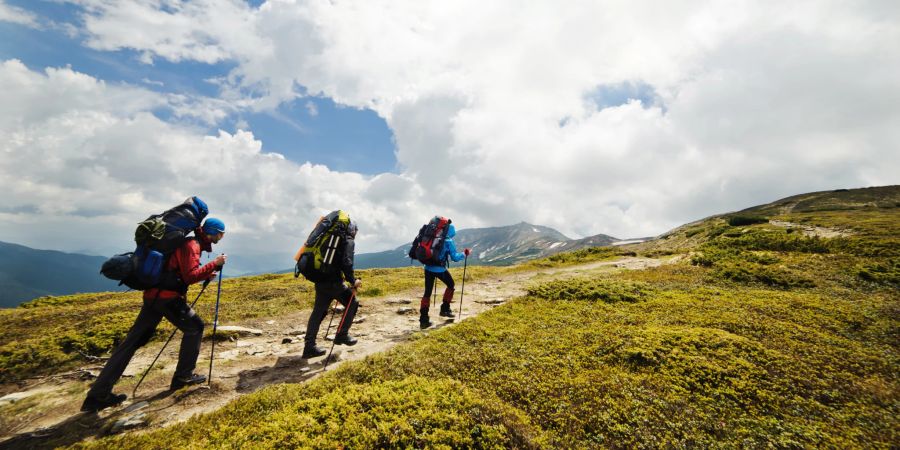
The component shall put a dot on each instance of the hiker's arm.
(347, 262)
(191, 270)
(451, 250)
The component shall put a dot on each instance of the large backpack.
(318, 257)
(157, 237)
(428, 246)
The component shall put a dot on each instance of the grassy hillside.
(761, 336)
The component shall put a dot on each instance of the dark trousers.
(175, 311)
(325, 293)
(443, 276)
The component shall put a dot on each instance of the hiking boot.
(94, 404)
(180, 382)
(424, 321)
(445, 310)
(344, 339)
(313, 351)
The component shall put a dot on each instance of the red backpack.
(429, 243)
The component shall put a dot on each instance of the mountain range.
(27, 273)
(495, 246)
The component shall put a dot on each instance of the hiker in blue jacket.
(440, 272)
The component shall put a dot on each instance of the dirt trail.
(49, 407)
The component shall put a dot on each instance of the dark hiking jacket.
(345, 268)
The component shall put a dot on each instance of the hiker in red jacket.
(169, 302)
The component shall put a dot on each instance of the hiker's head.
(214, 229)
(451, 231)
(352, 229)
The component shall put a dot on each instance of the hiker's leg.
(447, 279)
(143, 328)
(429, 283)
(349, 301)
(448, 294)
(319, 311)
(191, 325)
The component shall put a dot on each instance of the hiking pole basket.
(133, 392)
(212, 352)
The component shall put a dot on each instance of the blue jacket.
(449, 251)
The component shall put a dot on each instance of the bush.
(737, 221)
(592, 289)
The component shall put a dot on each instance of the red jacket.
(186, 261)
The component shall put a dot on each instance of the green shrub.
(740, 220)
(410, 413)
(591, 289)
(886, 272)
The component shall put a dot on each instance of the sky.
(623, 118)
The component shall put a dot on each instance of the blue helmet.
(213, 226)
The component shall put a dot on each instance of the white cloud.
(16, 15)
(81, 170)
(489, 103)
(311, 108)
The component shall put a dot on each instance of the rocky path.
(258, 353)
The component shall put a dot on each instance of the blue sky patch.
(310, 129)
(616, 94)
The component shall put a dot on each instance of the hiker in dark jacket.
(440, 272)
(333, 287)
(171, 304)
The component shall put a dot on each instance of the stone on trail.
(241, 330)
(14, 397)
(287, 341)
(136, 406)
(400, 301)
(126, 423)
(404, 311)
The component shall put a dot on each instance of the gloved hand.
(467, 251)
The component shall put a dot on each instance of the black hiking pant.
(327, 291)
(175, 311)
(443, 276)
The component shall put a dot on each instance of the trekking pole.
(463, 292)
(329, 323)
(212, 353)
(340, 325)
(205, 283)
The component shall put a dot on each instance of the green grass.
(763, 338)
(74, 326)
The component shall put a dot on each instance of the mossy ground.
(762, 338)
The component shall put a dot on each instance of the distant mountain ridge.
(495, 246)
(27, 273)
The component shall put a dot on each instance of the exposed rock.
(136, 406)
(404, 311)
(127, 423)
(338, 308)
(491, 301)
(359, 320)
(287, 341)
(241, 330)
(14, 397)
(230, 354)
(399, 301)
